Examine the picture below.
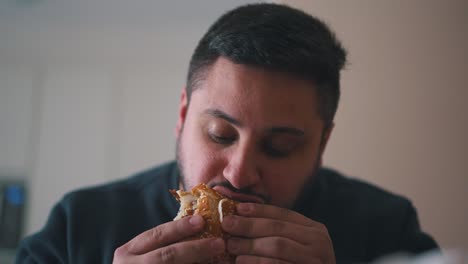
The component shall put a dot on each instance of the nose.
(242, 168)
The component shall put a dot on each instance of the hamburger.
(212, 206)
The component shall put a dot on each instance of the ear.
(326, 135)
(183, 106)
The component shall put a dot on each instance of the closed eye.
(280, 146)
(221, 139)
(275, 152)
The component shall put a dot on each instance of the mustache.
(246, 190)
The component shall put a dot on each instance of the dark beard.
(179, 162)
(305, 196)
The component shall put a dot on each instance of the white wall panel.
(16, 108)
(73, 136)
(149, 116)
(149, 98)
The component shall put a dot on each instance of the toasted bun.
(212, 206)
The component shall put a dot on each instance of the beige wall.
(403, 122)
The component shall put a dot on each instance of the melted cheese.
(187, 201)
(220, 209)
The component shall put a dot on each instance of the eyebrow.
(220, 114)
(274, 130)
(287, 130)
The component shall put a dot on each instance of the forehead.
(258, 95)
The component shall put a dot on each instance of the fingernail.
(244, 207)
(217, 245)
(196, 221)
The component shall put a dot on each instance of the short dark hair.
(274, 37)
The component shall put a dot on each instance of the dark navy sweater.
(86, 226)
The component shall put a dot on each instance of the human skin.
(253, 130)
(255, 136)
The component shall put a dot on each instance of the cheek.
(285, 180)
(201, 163)
(284, 186)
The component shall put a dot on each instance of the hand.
(164, 244)
(269, 234)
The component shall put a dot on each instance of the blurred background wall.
(403, 121)
(89, 93)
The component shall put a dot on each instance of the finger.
(200, 250)
(165, 234)
(258, 260)
(263, 260)
(263, 227)
(273, 212)
(272, 247)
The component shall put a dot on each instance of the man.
(254, 120)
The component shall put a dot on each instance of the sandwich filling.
(212, 206)
(189, 203)
(206, 202)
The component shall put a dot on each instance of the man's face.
(253, 135)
